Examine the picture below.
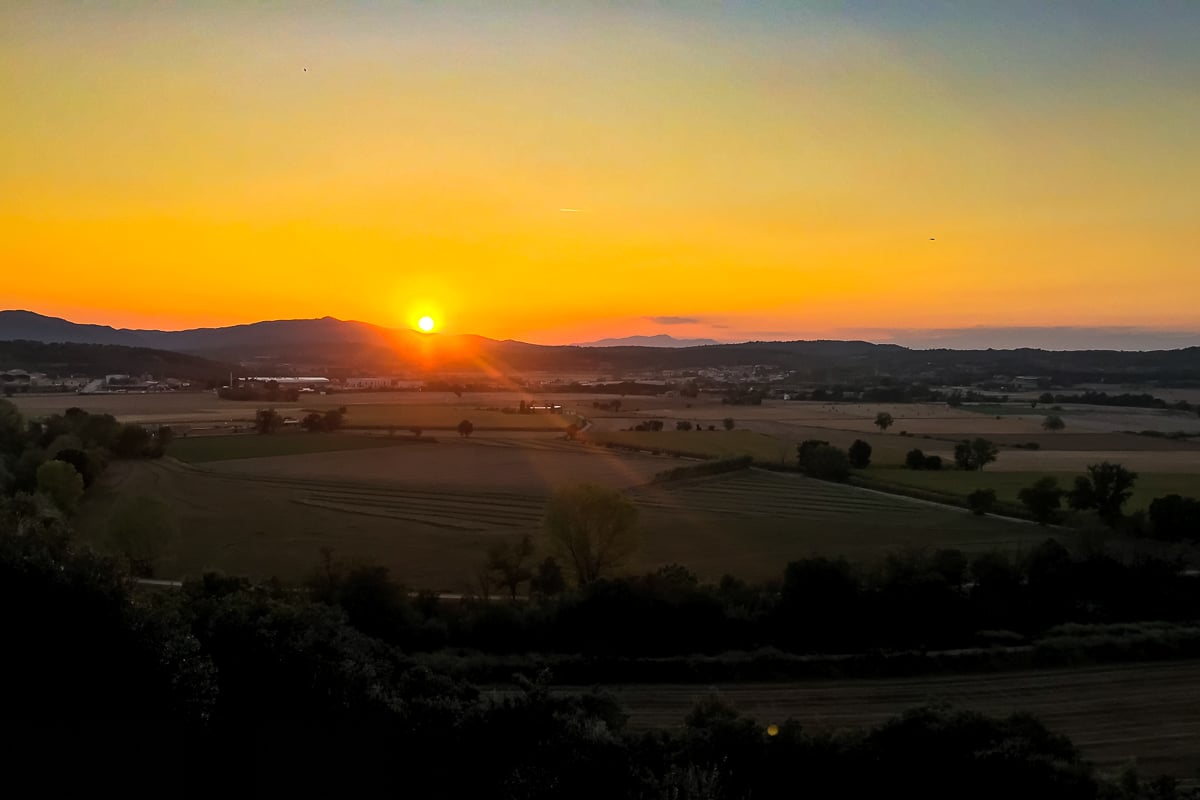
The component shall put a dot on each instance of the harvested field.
(428, 512)
(534, 465)
(199, 449)
(1115, 714)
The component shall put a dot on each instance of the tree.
(83, 464)
(547, 580)
(592, 528)
(466, 428)
(60, 482)
(973, 455)
(140, 529)
(824, 462)
(1105, 488)
(933, 463)
(728, 423)
(1042, 499)
(133, 441)
(683, 425)
(313, 422)
(860, 454)
(334, 418)
(267, 420)
(915, 459)
(981, 501)
(572, 431)
(884, 420)
(506, 561)
(1053, 422)
(1175, 517)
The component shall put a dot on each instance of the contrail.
(572, 210)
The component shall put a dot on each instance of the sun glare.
(425, 324)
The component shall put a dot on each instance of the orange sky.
(771, 173)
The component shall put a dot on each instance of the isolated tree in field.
(334, 418)
(884, 420)
(60, 482)
(915, 459)
(592, 529)
(508, 564)
(1043, 499)
(267, 420)
(1105, 488)
(1054, 423)
(140, 529)
(728, 423)
(860, 454)
(465, 428)
(973, 455)
(933, 463)
(683, 425)
(981, 501)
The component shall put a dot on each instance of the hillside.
(97, 360)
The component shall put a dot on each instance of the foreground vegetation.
(326, 706)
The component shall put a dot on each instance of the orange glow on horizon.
(566, 174)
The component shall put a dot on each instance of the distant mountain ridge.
(335, 347)
(658, 340)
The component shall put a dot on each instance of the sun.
(425, 324)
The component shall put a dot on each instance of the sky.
(571, 171)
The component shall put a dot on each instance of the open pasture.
(1148, 713)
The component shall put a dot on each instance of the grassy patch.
(198, 449)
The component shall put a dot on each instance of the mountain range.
(658, 340)
(335, 347)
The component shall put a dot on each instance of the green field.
(960, 483)
(198, 449)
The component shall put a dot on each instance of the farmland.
(428, 510)
(199, 449)
(1115, 714)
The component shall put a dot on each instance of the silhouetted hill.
(336, 347)
(97, 360)
(658, 340)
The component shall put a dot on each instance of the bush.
(933, 462)
(825, 462)
(915, 459)
(981, 501)
(60, 482)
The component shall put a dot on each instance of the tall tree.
(466, 428)
(592, 528)
(508, 563)
(1105, 488)
(884, 420)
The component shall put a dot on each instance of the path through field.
(1148, 712)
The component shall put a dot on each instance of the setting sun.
(425, 324)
